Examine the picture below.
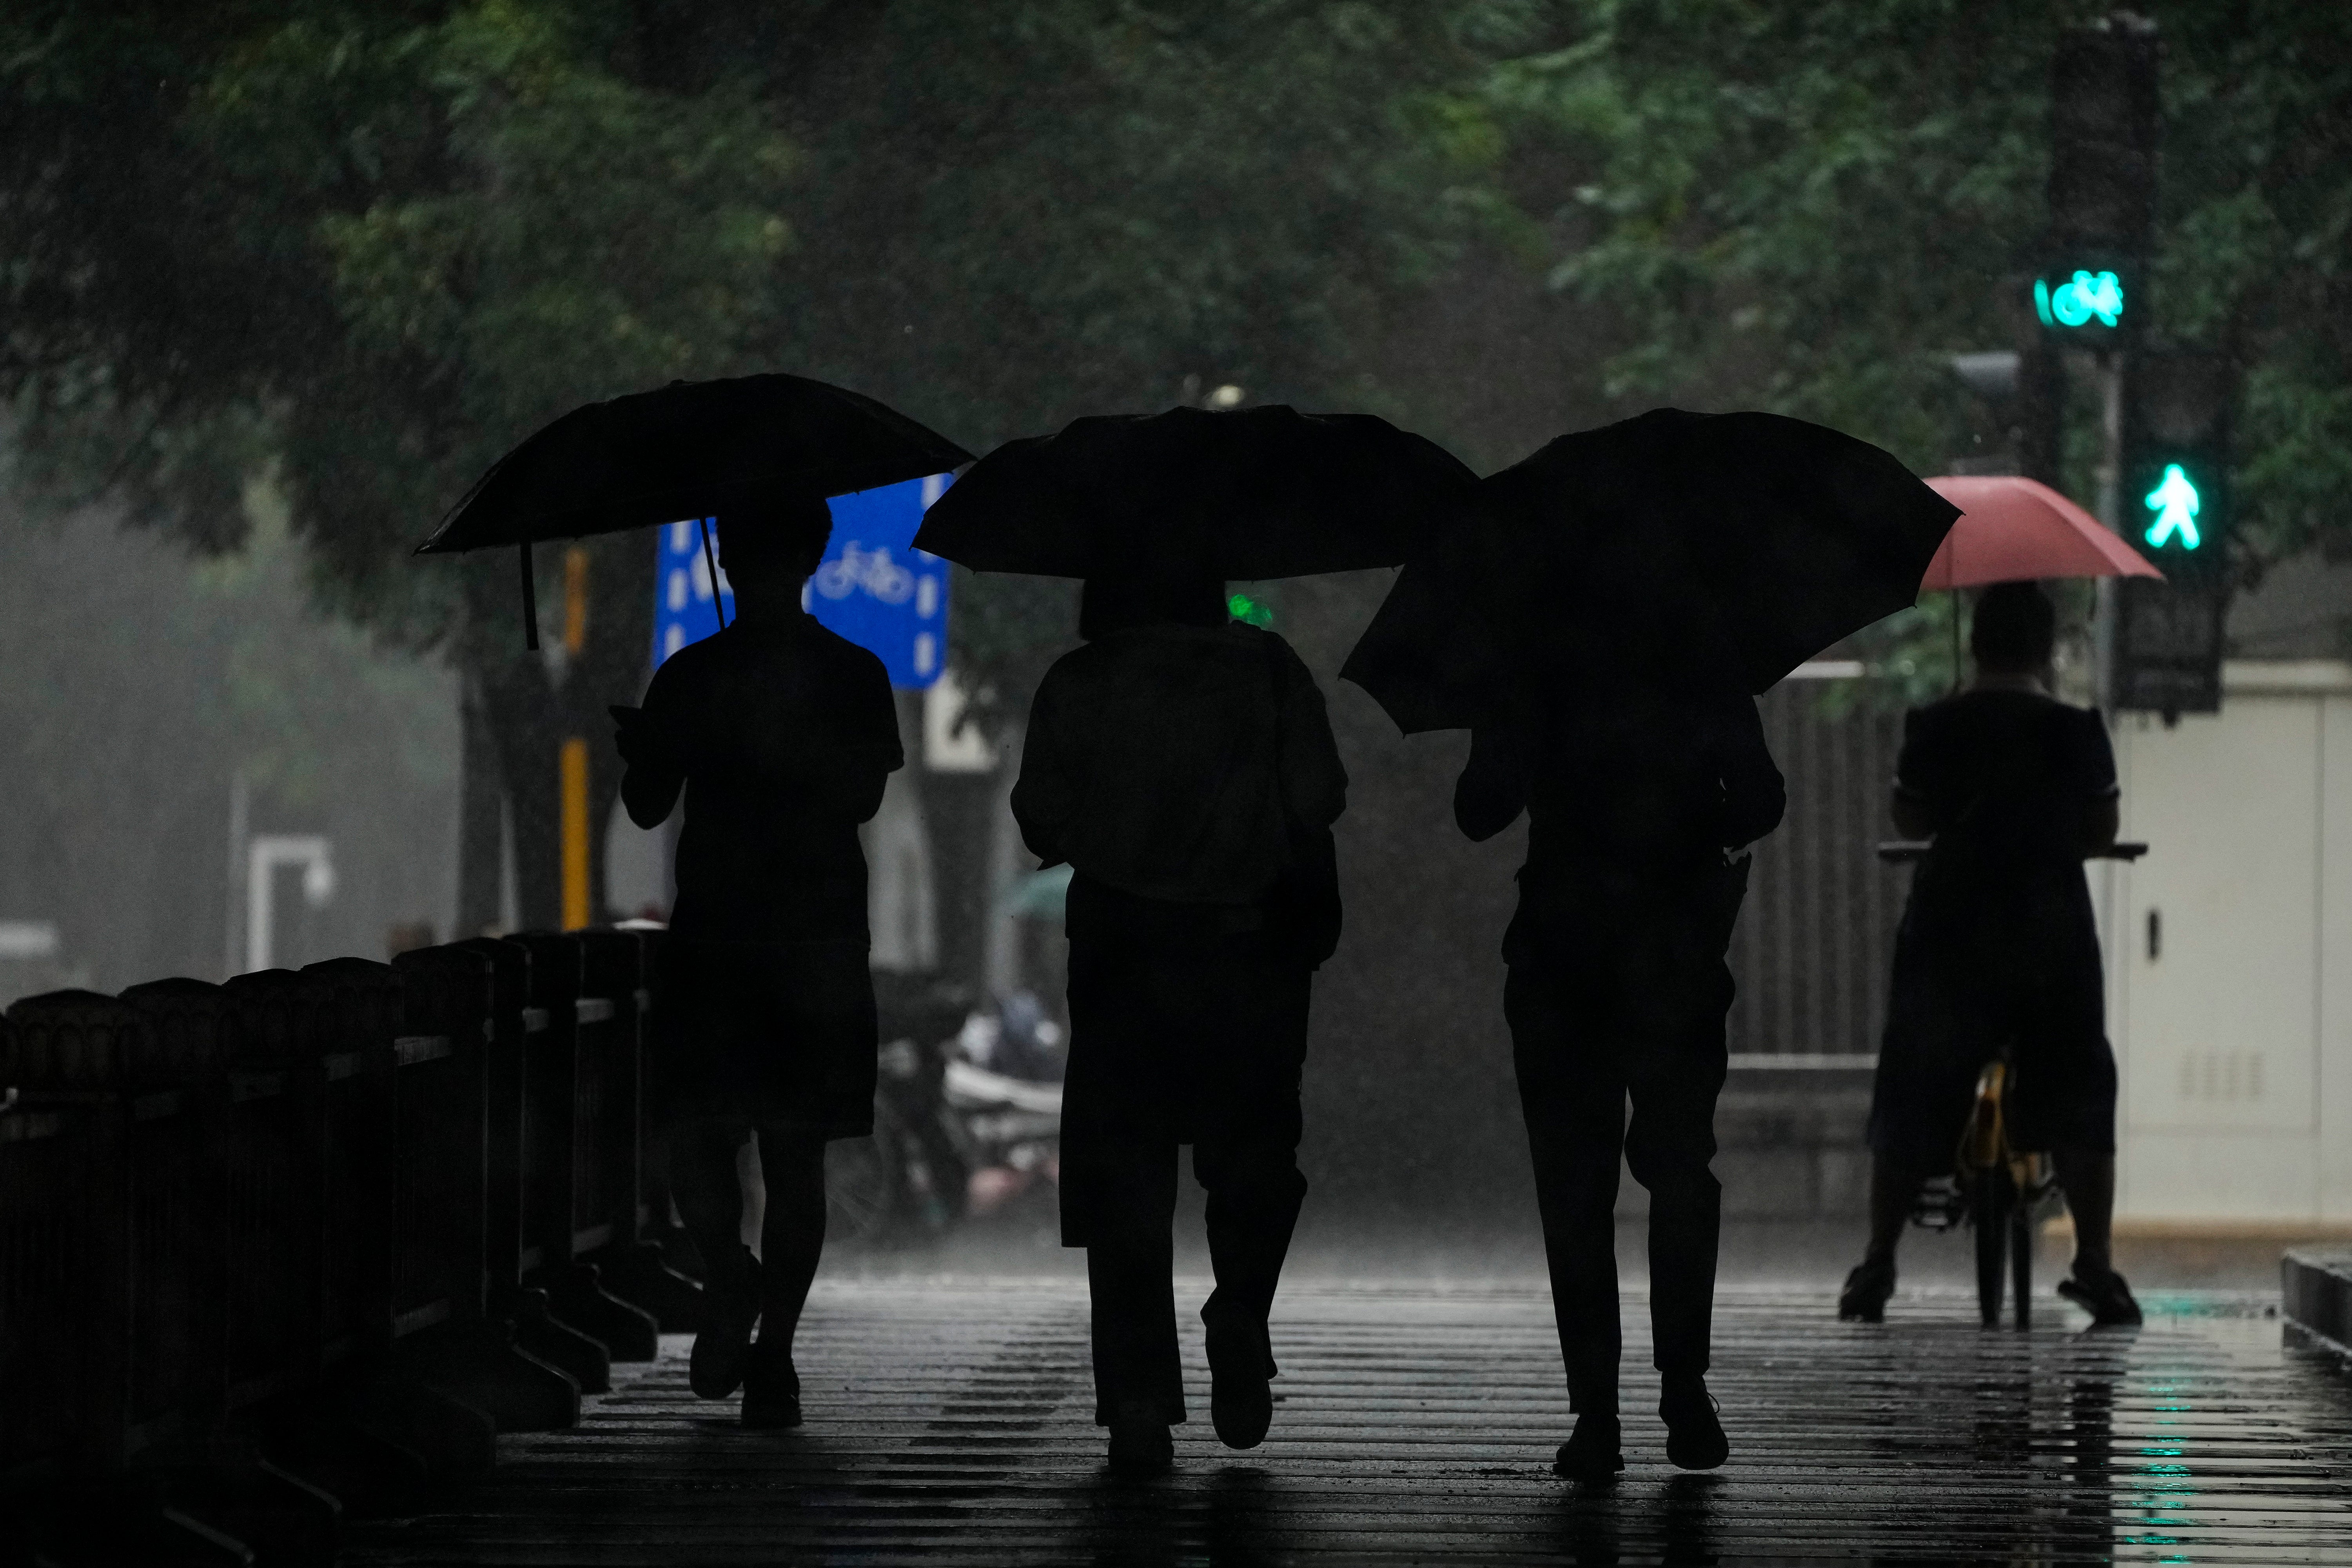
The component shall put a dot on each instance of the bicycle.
(1995, 1188)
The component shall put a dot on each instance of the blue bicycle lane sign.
(872, 587)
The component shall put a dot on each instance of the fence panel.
(1817, 934)
(47, 1269)
(273, 1217)
(439, 1163)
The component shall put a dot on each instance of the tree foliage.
(363, 247)
(1806, 207)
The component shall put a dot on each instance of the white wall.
(2234, 1034)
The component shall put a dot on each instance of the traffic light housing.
(2177, 506)
(2104, 116)
(2176, 482)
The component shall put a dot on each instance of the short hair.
(1116, 603)
(775, 537)
(2015, 628)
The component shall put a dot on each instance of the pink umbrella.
(2013, 528)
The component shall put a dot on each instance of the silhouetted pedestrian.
(1998, 948)
(783, 736)
(1639, 774)
(1182, 765)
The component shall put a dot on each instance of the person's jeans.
(1254, 1191)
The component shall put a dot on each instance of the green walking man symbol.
(2174, 501)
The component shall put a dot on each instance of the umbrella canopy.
(1255, 494)
(1749, 540)
(2012, 529)
(690, 449)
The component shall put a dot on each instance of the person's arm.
(2094, 765)
(1314, 782)
(1492, 788)
(1045, 796)
(1755, 796)
(651, 777)
(1913, 820)
(1913, 810)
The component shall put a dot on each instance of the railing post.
(448, 1296)
(635, 1265)
(273, 1218)
(517, 1112)
(562, 1139)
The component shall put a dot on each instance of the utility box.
(2228, 954)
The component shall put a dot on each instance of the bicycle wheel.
(1989, 1200)
(2020, 1260)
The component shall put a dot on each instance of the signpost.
(872, 587)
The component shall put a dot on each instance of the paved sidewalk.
(948, 1423)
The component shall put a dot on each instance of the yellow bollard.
(573, 782)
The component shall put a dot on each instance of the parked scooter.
(909, 1177)
(1006, 1085)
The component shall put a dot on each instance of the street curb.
(2316, 1287)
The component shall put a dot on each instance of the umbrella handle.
(530, 600)
(711, 564)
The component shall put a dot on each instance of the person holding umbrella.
(1998, 943)
(779, 736)
(1599, 624)
(1181, 764)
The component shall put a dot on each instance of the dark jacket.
(1631, 776)
(1179, 764)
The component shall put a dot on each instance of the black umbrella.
(1759, 538)
(691, 449)
(1257, 493)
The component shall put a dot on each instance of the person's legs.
(1894, 1185)
(1130, 1267)
(791, 1239)
(709, 1190)
(1669, 1146)
(2088, 1176)
(1255, 1191)
(1574, 1101)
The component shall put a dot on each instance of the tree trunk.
(532, 703)
(481, 811)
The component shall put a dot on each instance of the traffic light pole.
(2110, 511)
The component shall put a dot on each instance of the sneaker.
(772, 1389)
(1141, 1444)
(1592, 1452)
(722, 1349)
(2109, 1300)
(1863, 1300)
(1694, 1439)
(1241, 1405)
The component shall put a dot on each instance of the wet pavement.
(948, 1421)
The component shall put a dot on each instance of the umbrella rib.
(711, 564)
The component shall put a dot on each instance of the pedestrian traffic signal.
(2176, 506)
(2176, 502)
(2176, 478)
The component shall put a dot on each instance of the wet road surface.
(948, 1421)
